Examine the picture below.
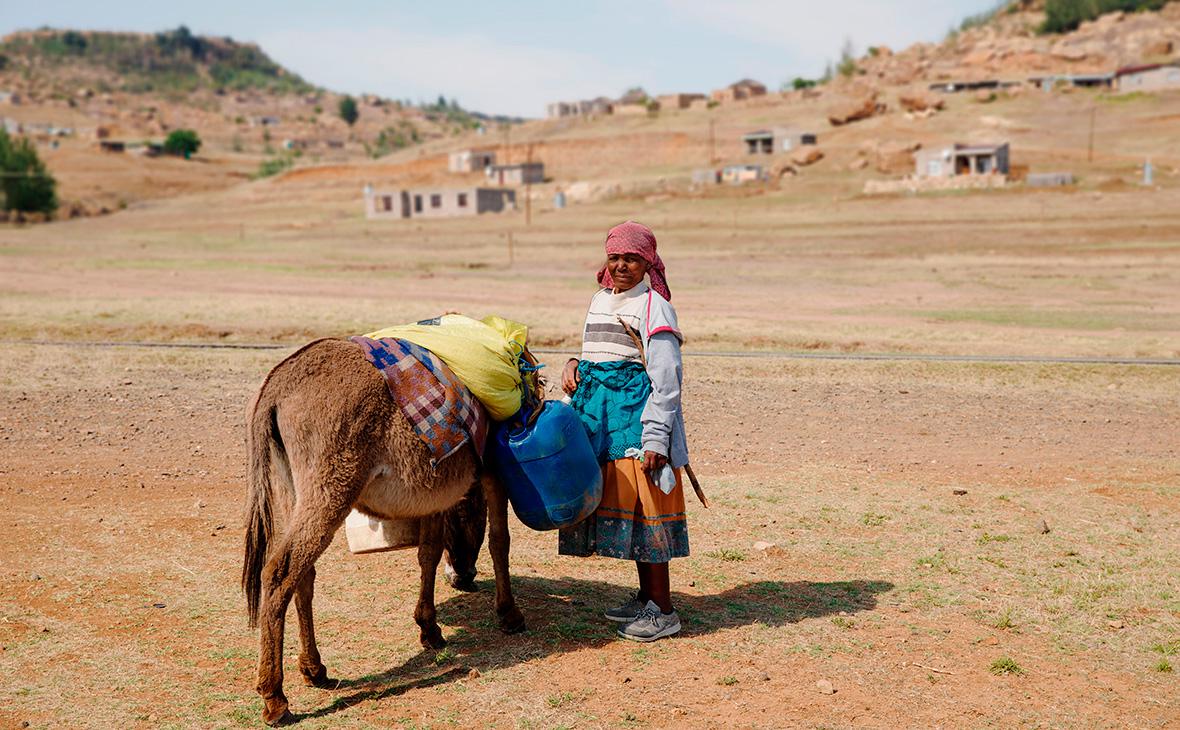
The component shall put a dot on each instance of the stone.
(920, 100)
(763, 545)
(825, 687)
(807, 156)
(1158, 48)
(859, 163)
(959, 492)
(473, 673)
(861, 105)
(895, 157)
(985, 96)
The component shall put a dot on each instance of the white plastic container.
(368, 534)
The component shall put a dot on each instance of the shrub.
(182, 143)
(348, 110)
(25, 183)
(273, 166)
(847, 66)
(1062, 16)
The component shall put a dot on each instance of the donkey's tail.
(263, 440)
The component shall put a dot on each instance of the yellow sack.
(484, 354)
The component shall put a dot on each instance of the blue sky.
(513, 57)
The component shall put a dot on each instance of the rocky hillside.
(1010, 45)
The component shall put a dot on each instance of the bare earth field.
(907, 501)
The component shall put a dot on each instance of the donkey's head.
(463, 531)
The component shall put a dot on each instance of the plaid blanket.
(442, 410)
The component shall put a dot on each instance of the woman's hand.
(570, 377)
(652, 463)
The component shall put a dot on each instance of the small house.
(635, 108)
(584, 108)
(523, 174)
(779, 139)
(952, 87)
(1076, 81)
(560, 109)
(738, 174)
(678, 101)
(1154, 77)
(436, 203)
(739, 90)
(471, 160)
(598, 106)
(962, 159)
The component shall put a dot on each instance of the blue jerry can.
(549, 470)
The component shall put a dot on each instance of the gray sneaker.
(651, 624)
(626, 613)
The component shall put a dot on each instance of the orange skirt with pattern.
(634, 521)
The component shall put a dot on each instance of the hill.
(61, 62)
(69, 90)
(250, 112)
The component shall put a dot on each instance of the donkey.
(325, 436)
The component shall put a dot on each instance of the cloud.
(484, 73)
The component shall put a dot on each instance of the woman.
(626, 389)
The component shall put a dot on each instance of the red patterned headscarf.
(636, 238)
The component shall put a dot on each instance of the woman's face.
(626, 269)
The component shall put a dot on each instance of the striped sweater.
(604, 339)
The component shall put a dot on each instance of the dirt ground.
(906, 501)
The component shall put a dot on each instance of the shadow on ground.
(564, 615)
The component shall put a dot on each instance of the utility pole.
(1093, 112)
(528, 186)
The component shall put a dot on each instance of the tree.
(348, 110)
(182, 143)
(847, 65)
(26, 185)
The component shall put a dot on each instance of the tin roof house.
(962, 159)
(470, 160)
(739, 90)
(524, 173)
(436, 202)
(779, 139)
(1153, 77)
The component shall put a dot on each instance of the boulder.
(892, 158)
(783, 169)
(859, 106)
(985, 96)
(1158, 48)
(859, 163)
(1067, 52)
(807, 156)
(919, 100)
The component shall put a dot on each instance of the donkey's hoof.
(275, 712)
(432, 637)
(316, 676)
(512, 621)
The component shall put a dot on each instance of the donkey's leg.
(430, 549)
(313, 670)
(308, 535)
(511, 619)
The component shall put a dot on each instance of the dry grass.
(122, 469)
